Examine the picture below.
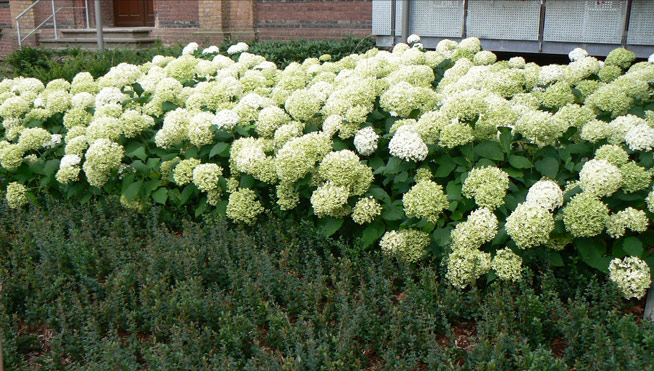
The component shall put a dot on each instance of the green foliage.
(97, 287)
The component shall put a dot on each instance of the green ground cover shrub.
(97, 287)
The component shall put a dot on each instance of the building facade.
(203, 21)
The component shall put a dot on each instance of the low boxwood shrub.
(97, 287)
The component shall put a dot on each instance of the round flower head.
(102, 157)
(133, 123)
(507, 265)
(634, 177)
(558, 95)
(243, 206)
(413, 39)
(330, 200)
(595, 130)
(299, 155)
(487, 185)
(547, 194)
(480, 228)
(14, 107)
(611, 99)
(640, 138)
(365, 141)
(211, 50)
(529, 225)
(629, 218)
(303, 104)
(407, 144)
(620, 57)
(237, 48)
(226, 119)
(600, 178)
(270, 119)
(456, 134)
(408, 245)
(183, 173)
(631, 275)
(190, 48)
(69, 169)
(622, 125)
(207, 176)
(16, 195)
(585, 215)
(466, 265)
(539, 127)
(516, 62)
(366, 210)
(287, 196)
(426, 200)
(577, 54)
(612, 153)
(33, 138)
(343, 168)
(484, 58)
(76, 145)
(609, 73)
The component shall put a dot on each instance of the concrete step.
(113, 33)
(92, 43)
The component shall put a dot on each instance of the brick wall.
(210, 21)
(176, 14)
(291, 19)
(6, 44)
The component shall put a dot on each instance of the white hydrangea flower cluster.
(69, 169)
(407, 144)
(480, 228)
(530, 225)
(546, 193)
(577, 54)
(487, 185)
(600, 177)
(102, 157)
(507, 265)
(631, 275)
(16, 195)
(408, 245)
(238, 48)
(425, 200)
(366, 210)
(365, 141)
(243, 206)
(629, 218)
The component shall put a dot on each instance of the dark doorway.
(134, 13)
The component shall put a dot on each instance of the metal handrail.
(53, 17)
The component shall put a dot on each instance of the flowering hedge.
(446, 153)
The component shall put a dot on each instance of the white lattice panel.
(503, 19)
(381, 17)
(641, 23)
(439, 18)
(585, 21)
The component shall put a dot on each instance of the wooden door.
(134, 13)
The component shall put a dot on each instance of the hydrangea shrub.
(485, 165)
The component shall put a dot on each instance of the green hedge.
(98, 287)
(47, 65)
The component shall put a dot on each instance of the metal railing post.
(54, 19)
(86, 9)
(98, 25)
(20, 42)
